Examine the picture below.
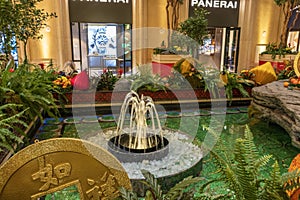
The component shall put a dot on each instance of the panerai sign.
(113, 1)
(214, 4)
(222, 13)
(107, 11)
(107, 1)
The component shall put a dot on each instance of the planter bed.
(103, 97)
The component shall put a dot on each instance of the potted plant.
(191, 32)
(279, 56)
(21, 20)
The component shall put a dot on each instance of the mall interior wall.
(255, 18)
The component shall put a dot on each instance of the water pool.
(269, 138)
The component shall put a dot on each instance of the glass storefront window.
(102, 45)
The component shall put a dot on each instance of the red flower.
(120, 72)
(11, 70)
(104, 70)
(42, 65)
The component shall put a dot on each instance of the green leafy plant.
(106, 81)
(242, 173)
(32, 89)
(11, 127)
(191, 32)
(274, 50)
(287, 72)
(154, 192)
(233, 81)
(145, 80)
(23, 20)
(199, 75)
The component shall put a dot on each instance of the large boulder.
(277, 104)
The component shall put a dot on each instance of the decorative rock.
(277, 104)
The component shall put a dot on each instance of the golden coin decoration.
(51, 166)
(297, 65)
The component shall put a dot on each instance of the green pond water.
(269, 138)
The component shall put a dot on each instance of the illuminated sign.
(214, 4)
(107, 11)
(109, 1)
(222, 13)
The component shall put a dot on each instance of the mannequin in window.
(70, 69)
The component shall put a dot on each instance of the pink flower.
(104, 70)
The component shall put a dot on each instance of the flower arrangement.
(275, 50)
(62, 83)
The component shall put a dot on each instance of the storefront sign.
(107, 11)
(214, 4)
(223, 13)
(112, 1)
(106, 1)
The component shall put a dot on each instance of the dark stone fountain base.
(130, 155)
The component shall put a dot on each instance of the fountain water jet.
(168, 154)
(142, 140)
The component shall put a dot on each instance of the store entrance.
(99, 47)
(222, 44)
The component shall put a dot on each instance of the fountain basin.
(126, 154)
(182, 160)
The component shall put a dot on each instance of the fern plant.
(154, 192)
(32, 89)
(242, 173)
(11, 127)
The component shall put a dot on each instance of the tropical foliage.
(32, 89)
(107, 80)
(25, 93)
(154, 190)
(11, 127)
(246, 175)
(234, 81)
(145, 80)
(274, 50)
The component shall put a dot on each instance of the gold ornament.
(264, 74)
(52, 165)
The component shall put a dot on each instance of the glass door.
(231, 49)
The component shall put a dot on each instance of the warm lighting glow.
(48, 29)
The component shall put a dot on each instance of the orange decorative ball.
(286, 84)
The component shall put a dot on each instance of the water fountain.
(139, 142)
(142, 140)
